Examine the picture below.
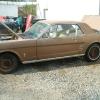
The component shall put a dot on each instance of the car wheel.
(93, 53)
(8, 63)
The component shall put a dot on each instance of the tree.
(27, 9)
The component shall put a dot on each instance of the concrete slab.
(92, 20)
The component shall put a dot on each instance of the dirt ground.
(67, 79)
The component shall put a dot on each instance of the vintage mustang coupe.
(47, 40)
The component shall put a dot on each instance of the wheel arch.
(98, 43)
(87, 55)
(13, 53)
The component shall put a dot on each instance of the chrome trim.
(33, 61)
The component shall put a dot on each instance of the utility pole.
(44, 12)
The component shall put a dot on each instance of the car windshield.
(35, 30)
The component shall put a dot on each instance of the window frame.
(76, 33)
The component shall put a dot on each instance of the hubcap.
(6, 63)
(94, 53)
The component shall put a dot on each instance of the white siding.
(68, 9)
(8, 10)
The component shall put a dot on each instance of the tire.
(93, 53)
(8, 63)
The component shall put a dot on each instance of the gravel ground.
(67, 79)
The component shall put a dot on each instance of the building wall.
(8, 10)
(68, 9)
(41, 5)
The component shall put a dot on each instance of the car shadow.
(53, 65)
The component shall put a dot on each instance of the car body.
(47, 40)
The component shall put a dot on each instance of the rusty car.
(48, 40)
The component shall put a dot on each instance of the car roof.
(61, 22)
(85, 27)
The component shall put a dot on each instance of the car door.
(62, 40)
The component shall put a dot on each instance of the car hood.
(5, 30)
(93, 21)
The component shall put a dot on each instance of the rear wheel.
(8, 63)
(93, 53)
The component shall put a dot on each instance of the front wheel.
(93, 53)
(8, 63)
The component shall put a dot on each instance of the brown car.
(47, 40)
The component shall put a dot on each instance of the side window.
(51, 32)
(78, 31)
(55, 30)
(63, 30)
(59, 28)
(70, 30)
